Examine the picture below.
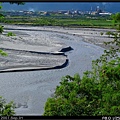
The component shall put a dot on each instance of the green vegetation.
(10, 34)
(108, 33)
(101, 33)
(92, 95)
(65, 21)
(116, 20)
(6, 109)
(1, 29)
(3, 53)
(97, 93)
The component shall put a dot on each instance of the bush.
(6, 109)
(89, 96)
(3, 53)
(108, 33)
(10, 34)
(1, 29)
(101, 33)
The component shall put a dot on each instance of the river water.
(30, 90)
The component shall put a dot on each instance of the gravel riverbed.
(31, 48)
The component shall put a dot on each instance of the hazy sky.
(45, 6)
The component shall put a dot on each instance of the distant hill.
(49, 6)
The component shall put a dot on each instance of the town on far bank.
(68, 13)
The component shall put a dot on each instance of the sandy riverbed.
(30, 90)
(91, 35)
(35, 47)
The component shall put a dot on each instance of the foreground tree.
(116, 20)
(96, 93)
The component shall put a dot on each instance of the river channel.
(30, 89)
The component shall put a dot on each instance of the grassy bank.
(97, 22)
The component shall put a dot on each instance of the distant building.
(105, 13)
(99, 11)
(69, 12)
(46, 14)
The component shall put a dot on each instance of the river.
(29, 90)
